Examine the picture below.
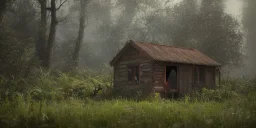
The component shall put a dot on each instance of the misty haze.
(128, 63)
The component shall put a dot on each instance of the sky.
(234, 7)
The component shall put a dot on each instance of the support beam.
(219, 75)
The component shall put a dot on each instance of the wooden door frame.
(178, 74)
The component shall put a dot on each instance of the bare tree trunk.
(249, 21)
(52, 33)
(80, 37)
(2, 9)
(1, 14)
(123, 24)
(41, 43)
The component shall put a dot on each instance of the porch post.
(219, 76)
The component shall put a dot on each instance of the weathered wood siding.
(152, 74)
(158, 76)
(185, 78)
(210, 77)
(129, 58)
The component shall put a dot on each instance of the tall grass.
(123, 113)
(55, 85)
(55, 99)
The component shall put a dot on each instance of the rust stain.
(175, 54)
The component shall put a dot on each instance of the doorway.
(171, 77)
(171, 82)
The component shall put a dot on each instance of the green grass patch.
(55, 99)
(123, 113)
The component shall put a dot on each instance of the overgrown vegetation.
(55, 99)
(44, 33)
(121, 113)
(49, 85)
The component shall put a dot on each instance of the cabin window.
(133, 73)
(199, 75)
(202, 75)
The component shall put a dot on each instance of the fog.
(216, 28)
(234, 7)
(95, 50)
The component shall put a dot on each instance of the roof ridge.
(167, 53)
(167, 46)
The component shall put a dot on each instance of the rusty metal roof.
(173, 54)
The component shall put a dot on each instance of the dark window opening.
(133, 73)
(171, 77)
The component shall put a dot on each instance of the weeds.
(122, 113)
(55, 99)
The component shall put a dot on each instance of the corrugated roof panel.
(175, 54)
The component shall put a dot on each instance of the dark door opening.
(171, 77)
(171, 81)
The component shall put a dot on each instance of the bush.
(55, 99)
(50, 84)
(229, 89)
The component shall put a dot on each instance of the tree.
(112, 23)
(80, 37)
(249, 21)
(41, 43)
(17, 38)
(3, 4)
(183, 16)
(46, 50)
(52, 33)
(218, 33)
(125, 20)
(206, 27)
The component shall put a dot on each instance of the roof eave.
(133, 44)
(211, 65)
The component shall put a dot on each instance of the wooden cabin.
(164, 69)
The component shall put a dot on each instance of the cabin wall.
(133, 57)
(152, 74)
(210, 77)
(185, 78)
(158, 76)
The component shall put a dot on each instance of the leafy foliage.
(55, 99)
(229, 89)
(204, 26)
(36, 97)
(54, 85)
(121, 113)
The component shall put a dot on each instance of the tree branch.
(61, 4)
(64, 19)
(40, 1)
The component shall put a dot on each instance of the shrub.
(229, 89)
(51, 84)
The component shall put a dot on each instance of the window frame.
(199, 75)
(135, 70)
